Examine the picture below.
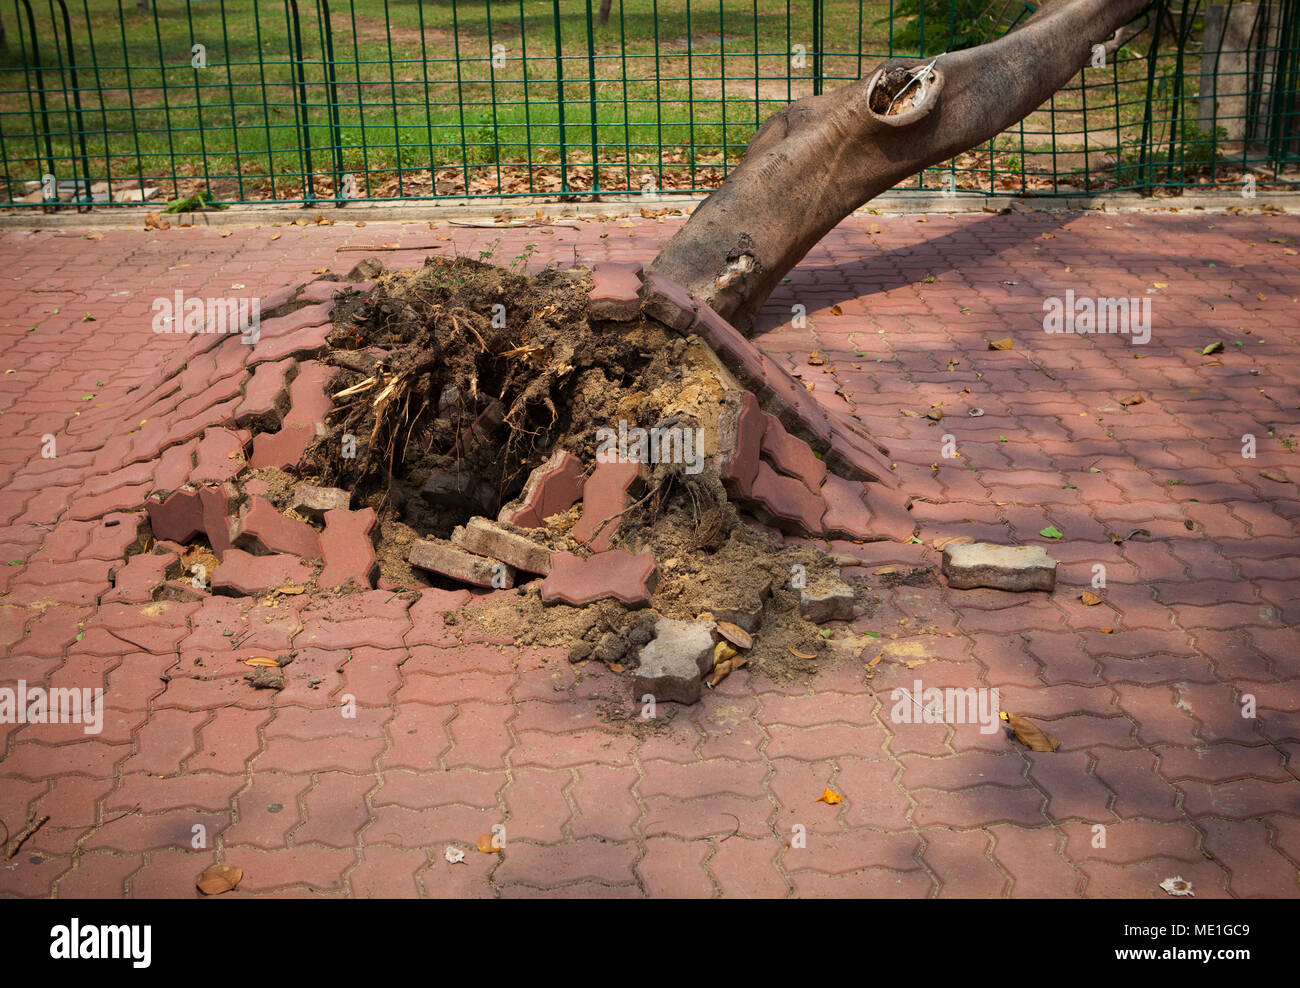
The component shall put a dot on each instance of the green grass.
(673, 87)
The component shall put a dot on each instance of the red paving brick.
(1159, 773)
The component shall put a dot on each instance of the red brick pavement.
(453, 737)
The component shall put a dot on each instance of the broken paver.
(553, 487)
(441, 556)
(829, 600)
(312, 502)
(624, 576)
(263, 531)
(499, 541)
(243, 574)
(178, 517)
(603, 496)
(616, 291)
(740, 439)
(675, 662)
(1002, 567)
(667, 301)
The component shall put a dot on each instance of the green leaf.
(1050, 532)
(1209, 348)
(873, 634)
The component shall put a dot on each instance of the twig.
(506, 226)
(600, 527)
(21, 839)
(387, 247)
(734, 832)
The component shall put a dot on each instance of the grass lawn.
(413, 101)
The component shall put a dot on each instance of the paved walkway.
(1159, 774)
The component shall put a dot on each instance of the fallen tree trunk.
(822, 157)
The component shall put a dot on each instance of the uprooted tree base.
(459, 378)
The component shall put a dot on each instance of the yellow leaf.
(1159, 284)
(1005, 343)
(263, 661)
(1089, 598)
(485, 844)
(828, 797)
(722, 652)
(219, 878)
(1030, 735)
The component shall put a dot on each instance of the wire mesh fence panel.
(301, 101)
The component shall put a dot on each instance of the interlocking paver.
(457, 729)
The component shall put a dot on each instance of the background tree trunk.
(822, 157)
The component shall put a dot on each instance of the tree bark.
(822, 157)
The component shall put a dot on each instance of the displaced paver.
(629, 577)
(1002, 567)
(675, 661)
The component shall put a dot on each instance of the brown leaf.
(1133, 399)
(941, 544)
(735, 634)
(262, 661)
(219, 878)
(1277, 476)
(1089, 598)
(1006, 343)
(909, 413)
(876, 661)
(935, 413)
(884, 570)
(617, 667)
(1030, 735)
(801, 655)
(837, 310)
(816, 359)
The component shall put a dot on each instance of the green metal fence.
(307, 101)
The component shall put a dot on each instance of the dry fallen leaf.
(836, 310)
(735, 634)
(219, 878)
(722, 652)
(815, 359)
(1277, 476)
(1133, 399)
(876, 661)
(1006, 343)
(885, 570)
(1089, 598)
(1030, 735)
(1107, 631)
(263, 661)
(1177, 886)
(943, 543)
(910, 414)
(828, 797)
(275, 235)
(485, 844)
(801, 655)
(935, 412)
